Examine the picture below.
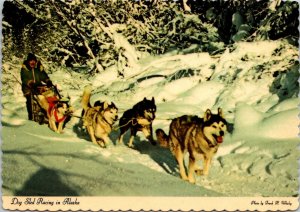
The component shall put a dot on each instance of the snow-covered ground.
(254, 83)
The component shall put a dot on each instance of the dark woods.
(101, 33)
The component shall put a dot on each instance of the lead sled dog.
(200, 137)
(98, 119)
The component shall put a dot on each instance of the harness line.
(118, 127)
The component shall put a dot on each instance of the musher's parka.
(32, 74)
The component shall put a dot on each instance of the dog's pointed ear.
(220, 112)
(207, 115)
(105, 105)
(113, 105)
(153, 100)
(97, 103)
(144, 99)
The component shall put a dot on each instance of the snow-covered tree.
(93, 35)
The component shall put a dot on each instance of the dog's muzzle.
(152, 117)
(115, 118)
(219, 138)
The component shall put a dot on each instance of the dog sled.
(51, 94)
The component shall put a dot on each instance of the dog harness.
(100, 116)
(208, 142)
(56, 117)
(52, 101)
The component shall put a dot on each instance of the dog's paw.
(120, 141)
(107, 144)
(192, 180)
(185, 178)
(131, 146)
(95, 142)
(101, 144)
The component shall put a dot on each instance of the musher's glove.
(30, 83)
(37, 85)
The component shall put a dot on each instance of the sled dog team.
(200, 137)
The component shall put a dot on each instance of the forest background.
(88, 35)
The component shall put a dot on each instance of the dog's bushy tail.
(162, 138)
(85, 101)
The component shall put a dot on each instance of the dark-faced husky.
(200, 137)
(99, 119)
(139, 118)
(58, 111)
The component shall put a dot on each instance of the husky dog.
(139, 118)
(58, 111)
(200, 137)
(57, 116)
(99, 119)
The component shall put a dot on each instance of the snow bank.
(285, 105)
(171, 90)
(203, 95)
(260, 74)
(281, 125)
(246, 117)
(106, 77)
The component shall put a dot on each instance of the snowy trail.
(236, 162)
(73, 166)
